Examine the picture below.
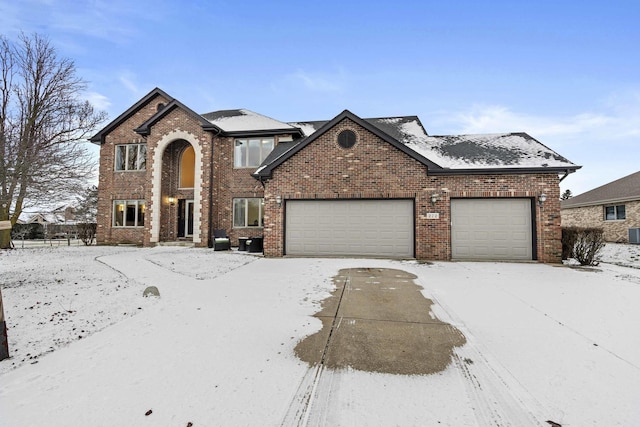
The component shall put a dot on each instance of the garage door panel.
(491, 229)
(350, 227)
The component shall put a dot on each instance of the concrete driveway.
(377, 320)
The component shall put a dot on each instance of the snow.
(306, 128)
(512, 150)
(249, 121)
(544, 342)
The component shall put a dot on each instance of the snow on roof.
(244, 120)
(512, 150)
(308, 128)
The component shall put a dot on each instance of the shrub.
(87, 232)
(569, 237)
(587, 244)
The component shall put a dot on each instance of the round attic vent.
(347, 138)
(160, 106)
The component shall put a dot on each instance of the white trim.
(156, 183)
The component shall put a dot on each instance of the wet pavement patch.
(377, 320)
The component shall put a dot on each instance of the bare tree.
(86, 212)
(44, 124)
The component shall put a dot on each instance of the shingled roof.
(443, 155)
(447, 154)
(620, 190)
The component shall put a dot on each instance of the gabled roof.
(145, 128)
(620, 190)
(443, 155)
(99, 137)
(446, 154)
(273, 162)
(246, 122)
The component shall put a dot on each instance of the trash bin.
(242, 243)
(256, 244)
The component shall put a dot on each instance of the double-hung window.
(251, 152)
(131, 157)
(248, 212)
(612, 213)
(128, 213)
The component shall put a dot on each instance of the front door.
(185, 218)
(188, 218)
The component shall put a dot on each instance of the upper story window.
(187, 167)
(131, 157)
(347, 138)
(251, 152)
(612, 213)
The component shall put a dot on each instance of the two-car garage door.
(382, 228)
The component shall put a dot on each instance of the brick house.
(341, 187)
(614, 207)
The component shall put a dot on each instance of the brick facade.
(593, 216)
(372, 169)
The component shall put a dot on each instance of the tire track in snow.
(575, 331)
(497, 397)
(314, 389)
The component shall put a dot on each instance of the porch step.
(177, 243)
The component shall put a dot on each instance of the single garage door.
(350, 228)
(498, 229)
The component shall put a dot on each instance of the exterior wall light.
(278, 200)
(172, 200)
(434, 199)
(541, 199)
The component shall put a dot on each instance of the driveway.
(241, 340)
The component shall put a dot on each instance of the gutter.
(503, 171)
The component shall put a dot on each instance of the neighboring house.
(60, 222)
(614, 207)
(342, 187)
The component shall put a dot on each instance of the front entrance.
(185, 218)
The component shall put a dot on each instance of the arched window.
(187, 167)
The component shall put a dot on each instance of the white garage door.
(350, 227)
(497, 229)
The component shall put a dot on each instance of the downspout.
(566, 174)
(210, 232)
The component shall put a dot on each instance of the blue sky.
(567, 73)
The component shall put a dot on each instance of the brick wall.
(127, 185)
(220, 182)
(177, 128)
(593, 216)
(375, 169)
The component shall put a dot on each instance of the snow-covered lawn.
(543, 342)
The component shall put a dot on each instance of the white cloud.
(319, 82)
(98, 100)
(495, 119)
(127, 79)
(604, 138)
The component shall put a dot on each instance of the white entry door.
(188, 218)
